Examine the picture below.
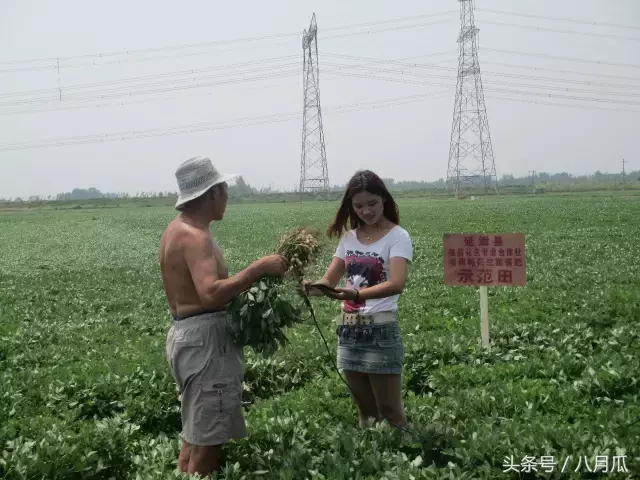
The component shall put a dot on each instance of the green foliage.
(259, 315)
(86, 392)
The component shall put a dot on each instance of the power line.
(558, 70)
(557, 104)
(503, 74)
(244, 122)
(179, 129)
(566, 59)
(400, 27)
(502, 90)
(334, 74)
(508, 65)
(102, 94)
(403, 19)
(130, 52)
(339, 71)
(161, 88)
(181, 72)
(493, 82)
(147, 50)
(571, 32)
(181, 56)
(170, 86)
(252, 121)
(191, 93)
(329, 74)
(174, 84)
(152, 77)
(564, 19)
(167, 87)
(342, 35)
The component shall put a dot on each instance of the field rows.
(87, 392)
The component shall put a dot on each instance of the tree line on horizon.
(241, 189)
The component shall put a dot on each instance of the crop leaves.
(87, 392)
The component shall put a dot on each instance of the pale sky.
(405, 141)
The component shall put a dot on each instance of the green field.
(85, 389)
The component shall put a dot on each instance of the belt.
(202, 312)
(359, 319)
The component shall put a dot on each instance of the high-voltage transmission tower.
(314, 177)
(471, 164)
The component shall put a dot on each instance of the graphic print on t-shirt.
(363, 270)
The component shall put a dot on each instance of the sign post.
(484, 314)
(484, 260)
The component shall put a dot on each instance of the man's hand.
(272, 266)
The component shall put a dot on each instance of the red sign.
(484, 259)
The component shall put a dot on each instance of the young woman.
(374, 253)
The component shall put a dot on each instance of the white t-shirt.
(369, 265)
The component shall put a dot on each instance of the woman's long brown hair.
(362, 181)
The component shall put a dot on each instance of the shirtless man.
(207, 366)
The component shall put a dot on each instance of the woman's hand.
(312, 291)
(343, 294)
(333, 275)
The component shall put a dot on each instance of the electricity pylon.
(314, 175)
(471, 164)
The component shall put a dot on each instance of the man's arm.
(213, 291)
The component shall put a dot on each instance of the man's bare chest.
(223, 271)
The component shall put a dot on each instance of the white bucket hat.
(197, 175)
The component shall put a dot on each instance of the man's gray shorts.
(209, 369)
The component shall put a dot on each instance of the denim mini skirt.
(373, 348)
